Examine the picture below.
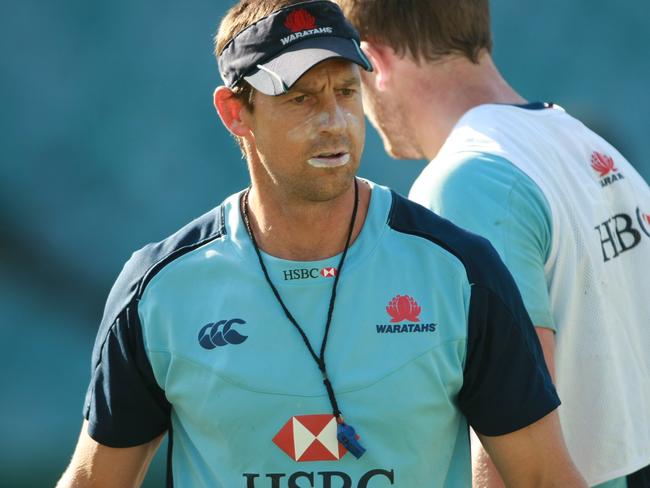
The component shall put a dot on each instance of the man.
(567, 213)
(250, 333)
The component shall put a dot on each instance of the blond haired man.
(565, 210)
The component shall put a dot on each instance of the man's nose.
(333, 117)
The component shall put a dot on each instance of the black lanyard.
(345, 433)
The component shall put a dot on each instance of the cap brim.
(278, 75)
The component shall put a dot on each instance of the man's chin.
(396, 151)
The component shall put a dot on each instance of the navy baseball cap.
(278, 49)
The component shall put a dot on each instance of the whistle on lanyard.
(348, 437)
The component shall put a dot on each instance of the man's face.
(387, 115)
(309, 140)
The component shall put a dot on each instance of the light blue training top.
(428, 333)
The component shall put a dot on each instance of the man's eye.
(347, 92)
(299, 99)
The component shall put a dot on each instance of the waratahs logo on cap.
(310, 438)
(404, 308)
(300, 20)
(605, 167)
(302, 24)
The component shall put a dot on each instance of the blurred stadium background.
(109, 141)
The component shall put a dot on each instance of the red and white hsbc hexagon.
(310, 438)
(328, 272)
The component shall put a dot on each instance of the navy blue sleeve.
(124, 404)
(506, 385)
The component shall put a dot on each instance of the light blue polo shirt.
(428, 333)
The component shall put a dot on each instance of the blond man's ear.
(382, 58)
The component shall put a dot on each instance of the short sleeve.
(506, 385)
(124, 405)
(491, 197)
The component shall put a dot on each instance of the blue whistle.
(347, 436)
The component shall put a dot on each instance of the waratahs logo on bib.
(302, 24)
(221, 333)
(606, 169)
(310, 438)
(404, 308)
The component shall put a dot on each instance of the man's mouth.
(330, 159)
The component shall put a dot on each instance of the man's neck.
(301, 230)
(450, 88)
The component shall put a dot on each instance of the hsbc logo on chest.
(308, 273)
(313, 438)
(375, 478)
(622, 233)
(310, 438)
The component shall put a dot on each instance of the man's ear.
(382, 58)
(231, 109)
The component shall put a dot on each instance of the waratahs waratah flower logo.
(404, 307)
(602, 163)
(300, 20)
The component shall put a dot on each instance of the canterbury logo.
(602, 163)
(217, 334)
(300, 20)
(403, 307)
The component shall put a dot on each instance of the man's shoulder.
(507, 130)
(449, 175)
(467, 185)
(147, 260)
(145, 263)
(481, 262)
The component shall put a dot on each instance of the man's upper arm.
(98, 466)
(126, 412)
(491, 197)
(507, 393)
(534, 456)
